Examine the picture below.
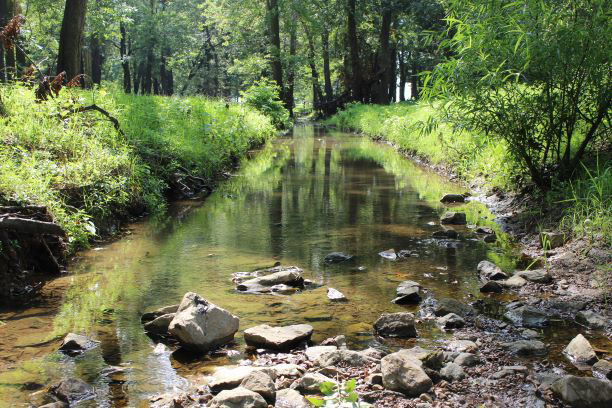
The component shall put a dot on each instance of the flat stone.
(277, 338)
(238, 398)
(491, 287)
(447, 305)
(288, 398)
(344, 357)
(591, 319)
(462, 346)
(452, 372)
(160, 324)
(335, 295)
(453, 198)
(147, 317)
(289, 276)
(287, 370)
(453, 218)
(396, 325)
(312, 353)
(527, 316)
(336, 257)
(515, 282)
(389, 254)
(226, 378)
(579, 351)
(260, 382)
(584, 392)
(408, 292)
(403, 374)
(536, 275)
(451, 321)
(603, 370)
(526, 348)
(488, 270)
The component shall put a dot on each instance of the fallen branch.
(96, 108)
(27, 226)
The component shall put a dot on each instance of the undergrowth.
(83, 170)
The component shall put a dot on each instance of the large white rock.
(580, 351)
(404, 374)
(201, 325)
(238, 398)
(277, 338)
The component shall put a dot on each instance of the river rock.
(335, 295)
(445, 234)
(389, 254)
(147, 317)
(201, 325)
(515, 282)
(579, 351)
(395, 325)
(408, 292)
(491, 287)
(452, 372)
(451, 321)
(160, 324)
(453, 218)
(445, 306)
(290, 276)
(260, 382)
(373, 353)
(287, 370)
(403, 374)
(584, 392)
(238, 398)
(591, 319)
(57, 404)
(277, 338)
(526, 348)
(453, 198)
(551, 240)
(74, 344)
(283, 289)
(603, 369)
(288, 398)
(462, 346)
(488, 270)
(344, 357)
(71, 391)
(226, 378)
(536, 275)
(313, 353)
(489, 239)
(484, 230)
(467, 359)
(430, 359)
(336, 257)
(527, 316)
(405, 253)
(310, 382)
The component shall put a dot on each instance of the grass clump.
(84, 171)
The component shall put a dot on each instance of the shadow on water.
(295, 201)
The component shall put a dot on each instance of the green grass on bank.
(82, 170)
(582, 207)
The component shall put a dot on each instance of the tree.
(71, 38)
(535, 74)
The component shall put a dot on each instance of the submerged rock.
(527, 348)
(389, 254)
(74, 344)
(160, 324)
(404, 374)
(584, 392)
(408, 292)
(147, 317)
(238, 398)
(336, 257)
(288, 276)
(579, 351)
(488, 270)
(396, 325)
(71, 391)
(602, 369)
(335, 295)
(277, 338)
(591, 319)
(527, 316)
(445, 234)
(201, 325)
(453, 198)
(453, 218)
(445, 306)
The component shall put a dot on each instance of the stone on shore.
(238, 398)
(584, 392)
(396, 325)
(551, 240)
(452, 372)
(488, 270)
(309, 383)
(536, 275)
(527, 316)
(404, 374)
(453, 218)
(467, 359)
(591, 319)
(447, 305)
(462, 346)
(74, 344)
(603, 370)
(335, 295)
(453, 198)
(289, 276)
(580, 351)
(407, 292)
(260, 382)
(491, 287)
(313, 353)
(527, 348)
(451, 321)
(288, 398)
(277, 338)
(226, 378)
(344, 357)
(430, 359)
(201, 325)
(514, 282)
(336, 257)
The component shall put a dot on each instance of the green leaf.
(350, 385)
(352, 396)
(327, 387)
(316, 402)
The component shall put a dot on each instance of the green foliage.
(535, 74)
(263, 95)
(337, 395)
(83, 171)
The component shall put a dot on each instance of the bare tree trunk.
(147, 81)
(414, 82)
(290, 100)
(71, 37)
(355, 69)
(381, 86)
(96, 60)
(393, 75)
(402, 76)
(316, 90)
(125, 62)
(329, 92)
(165, 75)
(275, 45)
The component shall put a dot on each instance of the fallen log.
(28, 226)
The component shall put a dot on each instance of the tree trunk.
(414, 82)
(71, 37)
(355, 70)
(96, 60)
(381, 86)
(393, 75)
(402, 77)
(329, 92)
(11, 61)
(165, 75)
(275, 45)
(316, 90)
(290, 100)
(147, 80)
(125, 61)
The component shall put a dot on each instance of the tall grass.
(83, 171)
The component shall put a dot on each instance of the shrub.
(264, 96)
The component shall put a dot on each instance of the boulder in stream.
(202, 326)
(445, 306)
(591, 319)
(277, 276)
(453, 198)
(160, 324)
(408, 292)
(453, 218)
(527, 316)
(74, 344)
(451, 321)
(389, 254)
(535, 275)
(148, 316)
(602, 369)
(396, 325)
(580, 351)
(277, 338)
(71, 391)
(336, 257)
(335, 295)
(491, 287)
(490, 271)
